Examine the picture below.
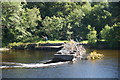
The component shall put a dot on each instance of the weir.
(70, 52)
(11, 65)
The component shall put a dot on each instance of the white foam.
(37, 65)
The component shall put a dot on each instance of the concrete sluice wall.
(34, 46)
(46, 46)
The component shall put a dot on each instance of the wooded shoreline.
(29, 22)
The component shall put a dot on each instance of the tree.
(18, 23)
(111, 34)
(92, 35)
(115, 11)
(52, 26)
(28, 23)
(60, 20)
(105, 32)
(10, 19)
(72, 12)
(98, 17)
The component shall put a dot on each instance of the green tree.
(18, 23)
(114, 37)
(52, 26)
(10, 19)
(92, 35)
(105, 32)
(115, 11)
(111, 34)
(98, 17)
(28, 23)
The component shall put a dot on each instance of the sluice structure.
(70, 51)
(73, 50)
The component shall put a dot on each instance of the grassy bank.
(39, 45)
(34, 45)
(42, 42)
(39, 42)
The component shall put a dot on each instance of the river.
(101, 68)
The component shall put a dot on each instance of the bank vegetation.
(28, 22)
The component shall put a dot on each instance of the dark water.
(102, 68)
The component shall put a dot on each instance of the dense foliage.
(27, 21)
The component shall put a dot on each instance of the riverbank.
(57, 45)
(41, 45)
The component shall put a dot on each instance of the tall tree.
(18, 22)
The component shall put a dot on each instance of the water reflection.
(26, 56)
(101, 68)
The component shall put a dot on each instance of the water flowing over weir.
(31, 65)
(69, 53)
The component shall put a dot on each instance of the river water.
(101, 68)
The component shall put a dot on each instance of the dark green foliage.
(29, 21)
(18, 23)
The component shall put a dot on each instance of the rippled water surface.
(102, 68)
